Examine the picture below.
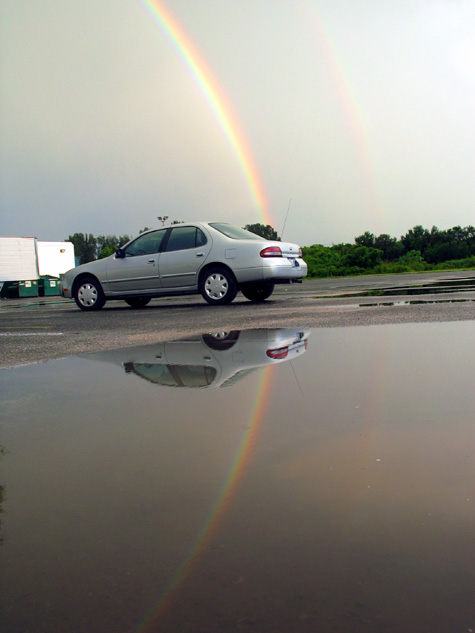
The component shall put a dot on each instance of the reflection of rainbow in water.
(220, 506)
(216, 98)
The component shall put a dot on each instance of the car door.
(135, 270)
(184, 254)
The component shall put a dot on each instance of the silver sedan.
(212, 258)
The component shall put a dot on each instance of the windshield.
(235, 232)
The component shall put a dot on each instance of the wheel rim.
(216, 286)
(87, 295)
(220, 336)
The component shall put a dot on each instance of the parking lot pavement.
(37, 329)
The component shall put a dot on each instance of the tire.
(89, 295)
(217, 286)
(138, 302)
(257, 292)
(221, 341)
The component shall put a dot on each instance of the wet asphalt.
(38, 329)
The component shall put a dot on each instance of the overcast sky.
(358, 115)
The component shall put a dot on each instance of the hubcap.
(216, 286)
(87, 295)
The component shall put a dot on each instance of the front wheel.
(89, 294)
(138, 302)
(217, 286)
(257, 292)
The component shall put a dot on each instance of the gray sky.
(359, 112)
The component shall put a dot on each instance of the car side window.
(147, 244)
(184, 237)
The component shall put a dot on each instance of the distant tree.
(108, 244)
(417, 239)
(391, 248)
(361, 257)
(265, 231)
(85, 246)
(177, 222)
(412, 257)
(123, 239)
(367, 239)
(106, 251)
(146, 228)
(322, 261)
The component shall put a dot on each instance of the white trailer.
(55, 258)
(18, 259)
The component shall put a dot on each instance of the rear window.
(235, 232)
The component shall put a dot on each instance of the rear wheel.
(138, 302)
(221, 341)
(217, 286)
(89, 295)
(257, 292)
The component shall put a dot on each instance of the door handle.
(199, 254)
(151, 261)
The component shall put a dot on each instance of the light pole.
(162, 219)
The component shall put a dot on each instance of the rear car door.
(184, 254)
(137, 271)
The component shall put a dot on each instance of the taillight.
(271, 251)
(300, 253)
(278, 353)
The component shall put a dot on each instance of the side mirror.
(120, 254)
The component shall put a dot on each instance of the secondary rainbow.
(215, 97)
(219, 508)
(353, 115)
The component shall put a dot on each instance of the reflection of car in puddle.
(219, 359)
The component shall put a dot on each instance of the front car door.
(184, 254)
(136, 273)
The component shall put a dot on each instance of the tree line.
(418, 250)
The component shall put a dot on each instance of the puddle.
(269, 480)
(414, 302)
(438, 287)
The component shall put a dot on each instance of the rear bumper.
(274, 270)
(279, 269)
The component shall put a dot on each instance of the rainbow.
(352, 114)
(220, 506)
(216, 98)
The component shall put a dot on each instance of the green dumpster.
(48, 287)
(28, 288)
(10, 289)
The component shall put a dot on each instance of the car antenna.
(285, 221)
